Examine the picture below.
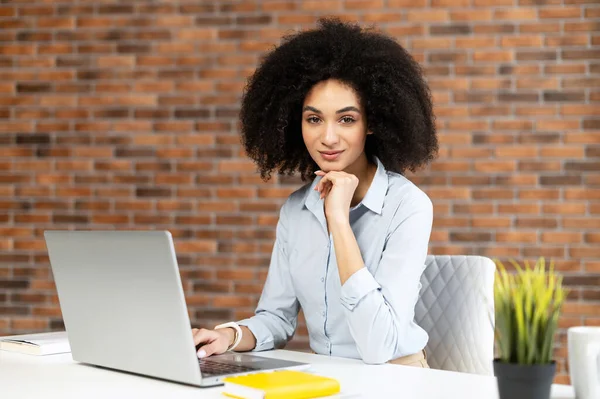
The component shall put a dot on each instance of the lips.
(330, 155)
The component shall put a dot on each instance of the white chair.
(456, 308)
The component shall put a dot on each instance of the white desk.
(57, 376)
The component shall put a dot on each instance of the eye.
(312, 119)
(347, 119)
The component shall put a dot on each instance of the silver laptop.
(124, 308)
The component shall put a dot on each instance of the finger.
(320, 173)
(323, 181)
(207, 350)
(326, 190)
(203, 335)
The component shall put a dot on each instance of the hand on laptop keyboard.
(212, 342)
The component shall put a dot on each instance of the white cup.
(584, 356)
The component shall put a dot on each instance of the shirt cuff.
(357, 287)
(264, 337)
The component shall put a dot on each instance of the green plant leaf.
(527, 308)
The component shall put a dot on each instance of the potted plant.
(527, 306)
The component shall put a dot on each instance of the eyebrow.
(339, 111)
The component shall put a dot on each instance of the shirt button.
(322, 279)
(323, 314)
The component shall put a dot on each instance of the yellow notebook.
(281, 384)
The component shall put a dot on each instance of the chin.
(332, 168)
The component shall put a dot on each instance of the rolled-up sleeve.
(276, 316)
(357, 287)
(380, 305)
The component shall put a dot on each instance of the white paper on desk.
(37, 344)
(343, 395)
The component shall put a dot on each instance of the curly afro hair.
(388, 81)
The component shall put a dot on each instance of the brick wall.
(123, 115)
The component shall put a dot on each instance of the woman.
(349, 108)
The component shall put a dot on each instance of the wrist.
(237, 333)
(338, 218)
(230, 333)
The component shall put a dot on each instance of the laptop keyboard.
(211, 368)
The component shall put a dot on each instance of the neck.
(365, 171)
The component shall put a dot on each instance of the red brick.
(522, 41)
(562, 152)
(564, 208)
(174, 205)
(512, 14)
(47, 311)
(580, 109)
(172, 178)
(521, 180)
(582, 194)
(267, 220)
(473, 208)
(582, 223)
(520, 152)
(28, 324)
(494, 166)
(560, 12)
(275, 192)
(517, 237)
(194, 192)
(539, 194)
(197, 299)
(467, 125)
(239, 274)
(233, 220)
(203, 246)
(430, 15)
(174, 153)
(214, 180)
(539, 166)
(566, 69)
(230, 301)
(586, 26)
(581, 138)
(491, 223)
(470, 180)
(217, 206)
(296, 19)
(29, 245)
(369, 5)
(561, 237)
(111, 219)
(580, 309)
(380, 17)
(431, 43)
(571, 40)
(540, 222)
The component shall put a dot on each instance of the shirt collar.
(373, 200)
(378, 189)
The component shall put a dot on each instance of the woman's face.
(334, 127)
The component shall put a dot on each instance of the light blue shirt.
(371, 316)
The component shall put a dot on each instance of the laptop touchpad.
(237, 358)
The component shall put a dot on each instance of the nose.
(330, 137)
